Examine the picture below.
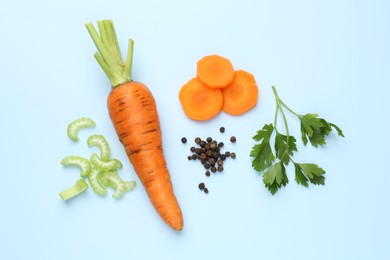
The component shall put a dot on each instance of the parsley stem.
(280, 102)
(279, 107)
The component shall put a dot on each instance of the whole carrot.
(133, 112)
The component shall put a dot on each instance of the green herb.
(313, 129)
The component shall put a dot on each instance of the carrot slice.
(215, 71)
(200, 102)
(241, 95)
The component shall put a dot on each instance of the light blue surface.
(328, 57)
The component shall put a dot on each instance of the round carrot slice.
(241, 95)
(215, 71)
(200, 102)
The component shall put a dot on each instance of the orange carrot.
(215, 71)
(133, 112)
(241, 95)
(200, 102)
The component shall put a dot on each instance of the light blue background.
(328, 57)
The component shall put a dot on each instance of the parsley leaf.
(316, 129)
(275, 177)
(283, 149)
(262, 153)
(311, 171)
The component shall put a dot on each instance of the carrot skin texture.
(133, 112)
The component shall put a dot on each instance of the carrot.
(133, 112)
(200, 102)
(215, 71)
(241, 95)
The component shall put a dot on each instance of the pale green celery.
(112, 179)
(78, 161)
(109, 55)
(79, 187)
(95, 183)
(75, 126)
(101, 142)
(105, 165)
(130, 185)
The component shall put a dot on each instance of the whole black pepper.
(184, 140)
(209, 139)
(197, 140)
(222, 129)
(233, 139)
(233, 155)
(207, 173)
(206, 190)
(201, 186)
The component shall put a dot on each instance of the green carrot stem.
(109, 55)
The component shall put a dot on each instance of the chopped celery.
(76, 125)
(105, 165)
(79, 187)
(93, 179)
(112, 179)
(101, 142)
(78, 161)
(130, 185)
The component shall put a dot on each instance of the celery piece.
(78, 161)
(79, 187)
(101, 142)
(95, 183)
(105, 165)
(112, 179)
(75, 126)
(130, 185)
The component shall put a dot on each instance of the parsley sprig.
(314, 130)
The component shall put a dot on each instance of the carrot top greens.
(109, 55)
(313, 130)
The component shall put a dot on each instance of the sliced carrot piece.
(200, 102)
(241, 95)
(215, 71)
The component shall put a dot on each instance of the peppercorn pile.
(209, 153)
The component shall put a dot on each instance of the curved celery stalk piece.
(130, 185)
(75, 126)
(95, 183)
(79, 187)
(105, 165)
(78, 161)
(101, 142)
(112, 179)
